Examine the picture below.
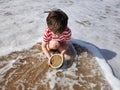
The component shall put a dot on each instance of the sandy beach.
(95, 26)
(29, 70)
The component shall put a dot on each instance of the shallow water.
(28, 70)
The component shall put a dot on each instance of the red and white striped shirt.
(49, 35)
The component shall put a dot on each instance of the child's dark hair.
(57, 21)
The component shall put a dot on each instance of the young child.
(57, 35)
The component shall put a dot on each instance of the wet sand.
(28, 70)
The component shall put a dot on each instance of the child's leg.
(69, 55)
(53, 45)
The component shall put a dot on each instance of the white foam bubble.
(7, 67)
(64, 79)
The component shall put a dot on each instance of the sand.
(56, 60)
(28, 70)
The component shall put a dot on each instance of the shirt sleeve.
(68, 34)
(45, 35)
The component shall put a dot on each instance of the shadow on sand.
(107, 54)
(103, 54)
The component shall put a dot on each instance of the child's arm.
(67, 41)
(45, 50)
(65, 47)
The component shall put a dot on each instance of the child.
(57, 35)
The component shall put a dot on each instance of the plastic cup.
(56, 61)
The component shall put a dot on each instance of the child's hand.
(62, 53)
(48, 62)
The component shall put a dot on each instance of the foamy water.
(29, 70)
(94, 21)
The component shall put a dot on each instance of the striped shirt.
(49, 35)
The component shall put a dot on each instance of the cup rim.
(58, 65)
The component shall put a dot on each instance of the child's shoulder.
(47, 30)
(68, 30)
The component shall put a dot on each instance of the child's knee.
(54, 44)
